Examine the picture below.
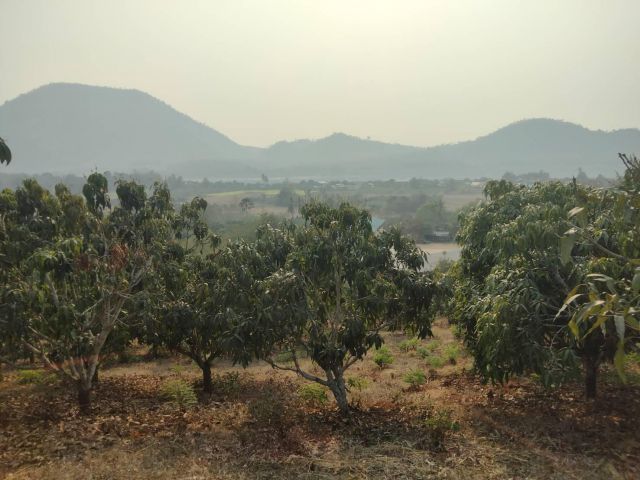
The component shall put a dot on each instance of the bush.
(383, 357)
(313, 394)
(409, 345)
(34, 377)
(439, 423)
(435, 361)
(179, 392)
(451, 353)
(415, 378)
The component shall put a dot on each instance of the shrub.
(451, 353)
(357, 383)
(409, 345)
(415, 378)
(313, 394)
(383, 357)
(439, 423)
(435, 361)
(179, 392)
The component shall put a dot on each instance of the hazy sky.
(414, 72)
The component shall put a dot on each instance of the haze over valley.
(71, 128)
(303, 239)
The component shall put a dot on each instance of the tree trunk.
(590, 364)
(207, 384)
(96, 377)
(339, 390)
(84, 399)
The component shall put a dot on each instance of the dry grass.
(516, 431)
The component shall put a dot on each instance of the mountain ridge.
(74, 128)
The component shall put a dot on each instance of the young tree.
(341, 286)
(204, 302)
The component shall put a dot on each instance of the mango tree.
(513, 278)
(606, 305)
(341, 286)
(81, 279)
(5, 152)
(28, 221)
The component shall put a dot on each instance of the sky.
(412, 72)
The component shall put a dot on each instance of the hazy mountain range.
(72, 128)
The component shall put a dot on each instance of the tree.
(76, 285)
(5, 152)
(512, 280)
(605, 306)
(205, 301)
(28, 221)
(341, 286)
(190, 223)
(246, 204)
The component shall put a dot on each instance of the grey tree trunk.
(339, 390)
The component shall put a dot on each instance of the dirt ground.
(256, 426)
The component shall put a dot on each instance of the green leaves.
(5, 152)
(566, 246)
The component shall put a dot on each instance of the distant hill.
(75, 128)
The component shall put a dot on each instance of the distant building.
(376, 223)
(439, 236)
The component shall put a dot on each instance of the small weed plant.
(434, 361)
(409, 345)
(415, 378)
(313, 395)
(357, 383)
(439, 424)
(383, 357)
(179, 392)
(451, 353)
(34, 377)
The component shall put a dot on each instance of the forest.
(130, 327)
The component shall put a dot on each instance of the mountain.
(73, 128)
(557, 147)
(77, 128)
